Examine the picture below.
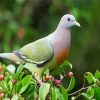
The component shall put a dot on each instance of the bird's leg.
(36, 76)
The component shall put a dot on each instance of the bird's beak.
(77, 24)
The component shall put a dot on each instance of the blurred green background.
(24, 21)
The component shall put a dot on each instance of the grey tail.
(5, 55)
(10, 56)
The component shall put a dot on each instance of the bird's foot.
(36, 76)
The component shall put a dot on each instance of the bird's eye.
(68, 19)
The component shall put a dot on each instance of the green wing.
(38, 52)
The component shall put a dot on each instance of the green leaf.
(57, 70)
(64, 93)
(46, 72)
(26, 80)
(71, 84)
(10, 85)
(90, 78)
(85, 96)
(60, 68)
(73, 98)
(21, 98)
(25, 83)
(5, 85)
(19, 70)
(29, 92)
(18, 86)
(50, 82)
(33, 81)
(59, 95)
(97, 93)
(23, 89)
(97, 74)
(53, 94)
(43, 91)
(15, 97)
(90, 92)
(18, 74)
(67, 64)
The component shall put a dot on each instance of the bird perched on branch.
(47, 52)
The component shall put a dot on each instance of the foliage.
(21, 85)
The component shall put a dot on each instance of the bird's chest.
(60, 41)
(61, 50)
(61, 55)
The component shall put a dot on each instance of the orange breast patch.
(62, 56)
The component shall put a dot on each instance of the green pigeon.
(47, 52)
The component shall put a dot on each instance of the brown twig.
(83, 88)
(78, 91)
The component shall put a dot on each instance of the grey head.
(68, 21)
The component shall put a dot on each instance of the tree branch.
(83, 88)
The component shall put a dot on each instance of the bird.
(47, 52)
